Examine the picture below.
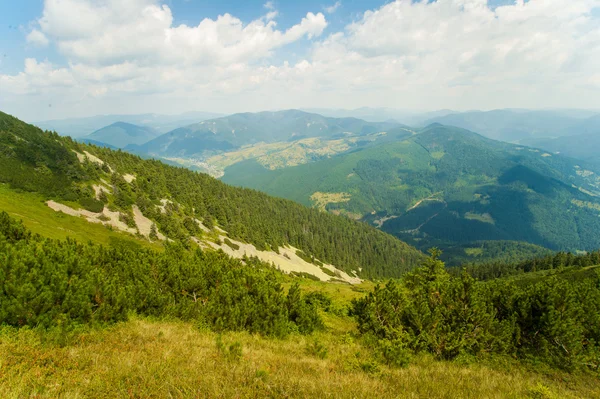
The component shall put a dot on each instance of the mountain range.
(445, 186)
(435, 186)
(238, 130)
(151, 202)
(514, 125)
(79, 127)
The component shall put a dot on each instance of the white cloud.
(113, 31)
(333, 8)
(37, 38)
(444, 54)
(269, 5)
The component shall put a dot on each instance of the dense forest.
(560, 260)
(50, 283)
(43, 162)
(445, 186)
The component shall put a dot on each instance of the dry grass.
(158, 359)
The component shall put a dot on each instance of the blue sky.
(17, 16)
(86, 57)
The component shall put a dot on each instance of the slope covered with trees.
(49, 283)
(554, 320)
(43, 162)
(446, 186)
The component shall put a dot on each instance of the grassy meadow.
(152, 358)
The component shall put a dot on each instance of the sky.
(74, 58)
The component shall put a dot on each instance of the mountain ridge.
(119, 188)
(475, 188)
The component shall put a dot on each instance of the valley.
(396, 177)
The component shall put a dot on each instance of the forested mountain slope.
(446, 186)
(180, 204)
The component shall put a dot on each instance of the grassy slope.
(42, 220)
(151, 358)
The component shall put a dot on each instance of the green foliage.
(554, 320)
(232, 352)
(92, 204)
(302, 312)
(50, 283)
(33, 160)
(230, 244)
(499, 251)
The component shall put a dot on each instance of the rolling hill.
(447, 186)
(122, 134)
(152, 201)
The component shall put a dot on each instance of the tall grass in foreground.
(142, 358)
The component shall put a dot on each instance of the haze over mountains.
(446, 186)
(518, 125)
(79, 127)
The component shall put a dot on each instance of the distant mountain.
(584, 145)
(235, 131)
(121, 134)
(446, 186)
(79, 127)
(408, 117)
(97, 143)
(517, 125)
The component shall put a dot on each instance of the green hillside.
(447, 186)
(121, 134)
(174, 199)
